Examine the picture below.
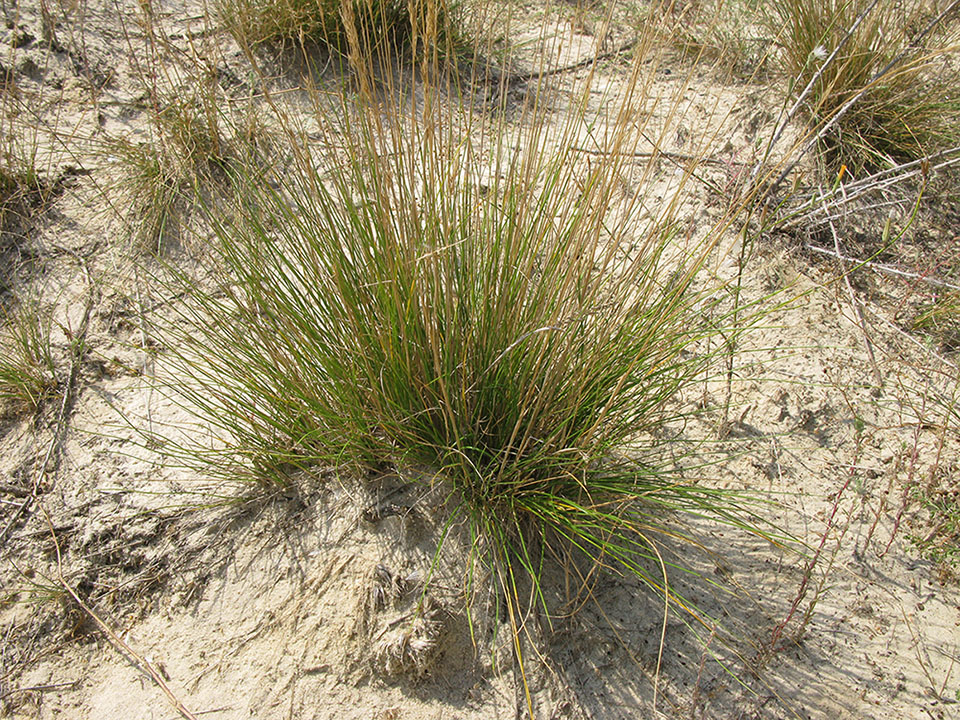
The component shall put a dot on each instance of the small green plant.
(188, 154)
(884, 66)
(941, 541)
(941, 319)
(935, 529)
(34, 588)
(27, 367)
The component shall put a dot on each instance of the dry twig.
(858, 262)
(868, 344)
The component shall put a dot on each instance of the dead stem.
(868, 344)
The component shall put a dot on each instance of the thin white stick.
(882, 268)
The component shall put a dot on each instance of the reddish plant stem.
(808, 571)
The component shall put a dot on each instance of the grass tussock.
(189, 153)
(21, 183)
(16, 184)
(727, 34)
(890, 68)
(151, 187)
(24, 191)
(436, 288)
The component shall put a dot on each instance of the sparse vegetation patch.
(27, 367)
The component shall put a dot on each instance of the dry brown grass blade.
(134, 657)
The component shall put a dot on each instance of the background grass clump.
(727, 35)
(27, 367)
(189, 153)
(21, 183)
(899, 58)
(368, 26)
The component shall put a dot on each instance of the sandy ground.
(299, 604)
